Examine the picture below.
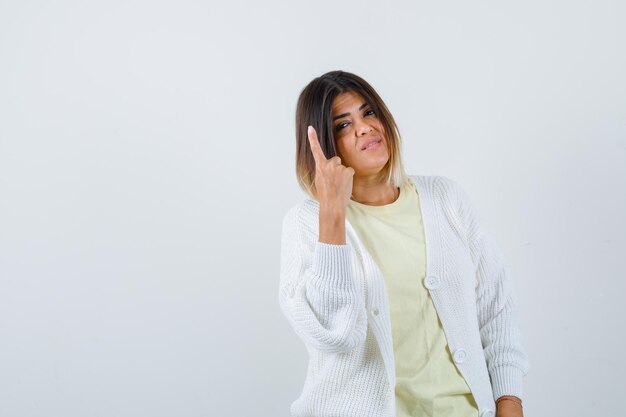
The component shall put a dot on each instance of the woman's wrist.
(509, 406)
(510, 398)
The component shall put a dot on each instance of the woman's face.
(356, 126)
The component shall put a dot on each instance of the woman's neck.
(373, 193)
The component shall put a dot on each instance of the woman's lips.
(374, 145)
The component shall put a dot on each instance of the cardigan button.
(459, 355)
(431, 282)
(487, 412)
(375, 311)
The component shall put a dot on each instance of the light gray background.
(147, 159)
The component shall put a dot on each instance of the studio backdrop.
(147, 158)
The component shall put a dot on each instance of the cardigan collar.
(427, 209)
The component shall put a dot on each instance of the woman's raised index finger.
(318, 154)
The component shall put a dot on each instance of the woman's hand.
(508, 408)
(333, 183)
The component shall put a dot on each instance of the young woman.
(399, 292)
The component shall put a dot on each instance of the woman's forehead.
(348, 101)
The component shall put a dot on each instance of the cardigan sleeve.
(506, 358)
(318, 292)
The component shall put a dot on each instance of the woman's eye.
(341, 126)
(344, 124)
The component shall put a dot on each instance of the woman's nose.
(363, 127)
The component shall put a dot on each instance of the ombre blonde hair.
(314, 108)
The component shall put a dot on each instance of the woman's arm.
(318, 292)
(507, 361)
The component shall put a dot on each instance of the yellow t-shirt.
(428, 384)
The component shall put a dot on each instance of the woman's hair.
(315, 108)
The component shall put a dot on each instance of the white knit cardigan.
(335, 299)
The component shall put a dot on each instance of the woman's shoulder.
(305, 208)
(302, 216)
(441, 185)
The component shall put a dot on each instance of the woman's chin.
(368, 171)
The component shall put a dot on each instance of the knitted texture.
(334, 298)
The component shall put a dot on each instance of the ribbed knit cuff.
(507, 380)
(332, 265)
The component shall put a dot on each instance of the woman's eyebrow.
(347, 114)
